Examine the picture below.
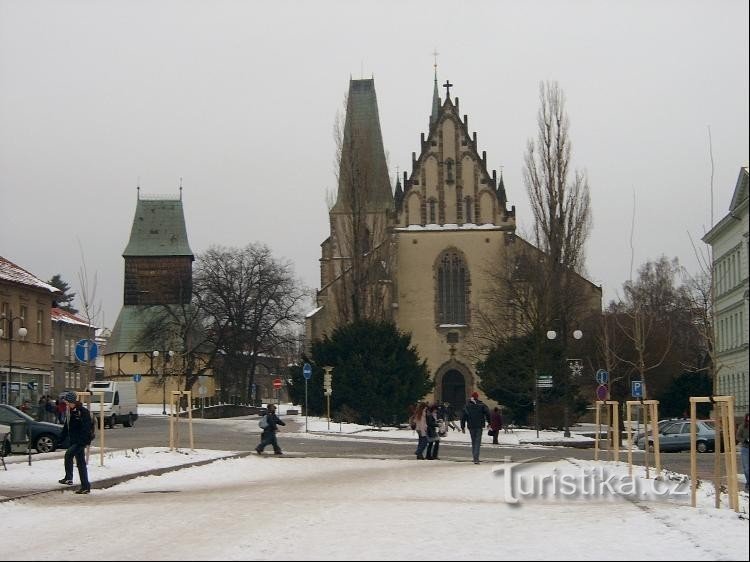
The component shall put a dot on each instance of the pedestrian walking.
(496, 424)
(61, 410)
(475, 414)
(270, 423)
(743, 438)
(433, 433)
(418, 423)
(79, 429)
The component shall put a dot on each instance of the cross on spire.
(447, 87)
(435, 54)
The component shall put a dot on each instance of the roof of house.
(158, 228)
(60, 315)
(13, 273)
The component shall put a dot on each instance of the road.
(153, 431)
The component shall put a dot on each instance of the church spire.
(435, 96)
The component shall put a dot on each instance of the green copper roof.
(158, 229)
(129, 327)
(362, 150)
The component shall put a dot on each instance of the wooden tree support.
(174, 417)
(613, 427)
(724, 434)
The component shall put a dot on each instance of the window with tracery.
(452, 285)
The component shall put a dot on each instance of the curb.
(113, 481)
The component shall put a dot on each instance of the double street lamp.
(155, 354)
(575, 366)
(22, 333)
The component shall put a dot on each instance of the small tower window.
(449, 171)
(433, 211)
(468, 206)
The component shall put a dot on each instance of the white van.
(120, 402)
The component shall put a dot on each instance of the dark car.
(45, 436)
(676, 437)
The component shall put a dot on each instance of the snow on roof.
(14, 274)
(60, 315)
(450, 226)
(313, 312)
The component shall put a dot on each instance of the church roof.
(158, 228)
(362, 150)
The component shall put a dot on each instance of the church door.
(454, 390)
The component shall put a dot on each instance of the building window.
(135, 358)
(433, 211)
(452, 284)
(468, 207)
(39, 326)
(67, 348)
(5, 311)
(449, 171)
(52, 346)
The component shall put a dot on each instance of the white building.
(729, 243)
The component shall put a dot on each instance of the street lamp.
(575, 366)
(21, 332)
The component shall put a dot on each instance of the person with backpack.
(79, 428)
(269, 423)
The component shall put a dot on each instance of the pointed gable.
(740, 190)
(450, 183)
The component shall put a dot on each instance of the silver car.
(675, 436)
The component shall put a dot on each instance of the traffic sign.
(636, 389)
(277, 383)
(601, 391)
(307, 371)
(602, 376)
(544, 381)
(86, 350)
(202, 390)
(137, 377)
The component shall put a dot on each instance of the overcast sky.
(239, 99)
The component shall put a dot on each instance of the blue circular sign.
(137, 378)
(602, 376)
(86, 350)
(307, 371)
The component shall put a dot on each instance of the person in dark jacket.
(496, 424)
(475, 415)
(433, 437)
(269, 432)
(79, 428)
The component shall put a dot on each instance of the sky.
(288, 508)
(237, 101)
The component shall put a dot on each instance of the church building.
(426, 246)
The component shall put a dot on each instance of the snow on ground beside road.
(313, 508)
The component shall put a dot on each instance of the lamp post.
(21, 332)
(577, 335)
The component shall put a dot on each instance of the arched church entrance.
(453, 389)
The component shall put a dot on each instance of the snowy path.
(306, 508)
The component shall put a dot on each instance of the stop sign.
(277, 383)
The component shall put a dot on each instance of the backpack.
(263, 423)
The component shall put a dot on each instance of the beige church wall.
(467, 176)
(486, 208)
(431, 177)
(413, 209)
(449, 140)
(417, 308)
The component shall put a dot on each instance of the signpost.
(636, 389)
(601, 391)
(328, 391)
(307, 373)
(542, 381)
(277, 387)
(86, 350)
(602, 376)
(137, 378)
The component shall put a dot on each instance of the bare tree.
(251, 304)
(560, 205)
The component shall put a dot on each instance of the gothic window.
(452, 284)
(433, 212)
(449, 171)
(468, 206)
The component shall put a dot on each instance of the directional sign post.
(307, 373)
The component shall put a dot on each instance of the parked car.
(661, 425)
(675, 436)
(45, 437)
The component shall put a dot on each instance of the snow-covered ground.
(300, 508)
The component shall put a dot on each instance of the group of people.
(431, 422)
